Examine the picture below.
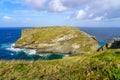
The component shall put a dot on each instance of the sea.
(8, 37)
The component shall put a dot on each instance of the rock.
(66, 40)
(113, 44)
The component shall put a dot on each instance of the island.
(57, 39)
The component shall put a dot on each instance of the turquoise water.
(8, 36)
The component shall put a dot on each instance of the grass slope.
(97, 66)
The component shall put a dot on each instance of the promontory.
(57, 39)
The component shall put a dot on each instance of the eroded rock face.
(66, 40)
(113, 44)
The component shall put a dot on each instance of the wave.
(28, 51)
(8, 45)
(66, 55)
(13, 49)
(30, 54)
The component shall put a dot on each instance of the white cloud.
(83, 9)
(99, 10)
(54, 5)
(57, 6)
(46, 5)
(99, 18)
(7, 18)
(75, 3)
(81, 14)
(37, 4)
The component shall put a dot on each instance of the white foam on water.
(10, 48)
(66, 55)
(28, 51)
(6, 45)
(44, 54)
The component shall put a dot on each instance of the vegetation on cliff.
(59, 39)
(103, 65)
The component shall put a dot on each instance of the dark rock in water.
(113, 44)
(66, 40)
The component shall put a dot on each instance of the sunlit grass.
(103, 65)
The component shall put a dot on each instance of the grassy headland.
(103, 65)
(57, 39)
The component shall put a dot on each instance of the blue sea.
(8, 36)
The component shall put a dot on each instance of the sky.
(80, 13)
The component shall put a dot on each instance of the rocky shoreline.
(113, 44)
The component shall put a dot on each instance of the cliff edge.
(66, 40)
(113, 44)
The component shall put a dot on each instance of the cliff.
(66, 40)
(113, 44)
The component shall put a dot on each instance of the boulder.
(59, 39)
(113, 44)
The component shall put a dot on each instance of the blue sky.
(83, 13)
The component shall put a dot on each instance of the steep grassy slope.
(97, 66)
(59, 39)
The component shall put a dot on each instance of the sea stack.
(57, 39)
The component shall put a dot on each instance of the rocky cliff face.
(113, 44)
(66, 40)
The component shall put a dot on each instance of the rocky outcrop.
(66, 40)
(113, 44)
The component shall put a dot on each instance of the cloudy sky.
(83, 13)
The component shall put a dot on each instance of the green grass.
(35, 37)
(103, 65)
(42, 34)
